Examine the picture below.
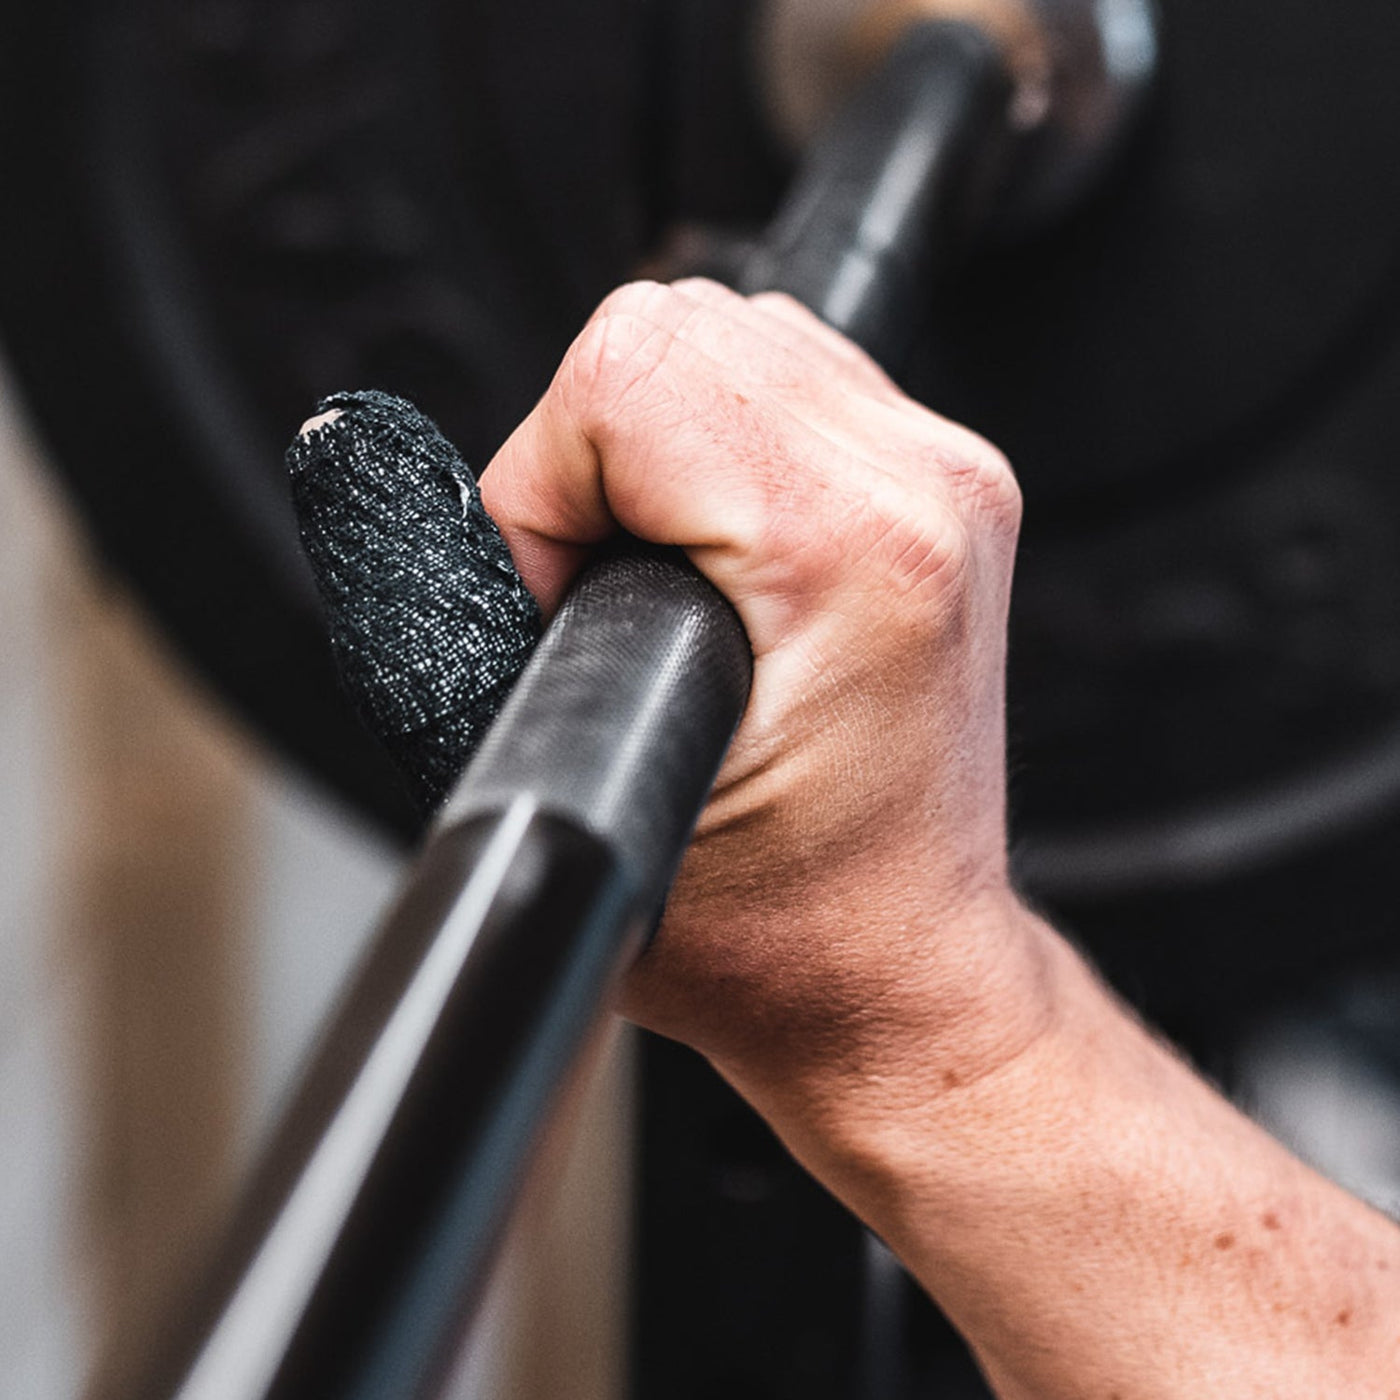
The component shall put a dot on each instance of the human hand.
(843, 941)
(847, 887)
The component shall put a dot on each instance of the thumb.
(430, 623)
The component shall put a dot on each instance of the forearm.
(1094, 1218)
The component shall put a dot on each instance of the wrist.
(970, 1010)
(1094, 1218)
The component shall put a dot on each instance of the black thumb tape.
(429, 622)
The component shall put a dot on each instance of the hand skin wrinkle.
(843, 941)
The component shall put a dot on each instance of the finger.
(790, 327)
(835, 386)
(663, 423)
(544, 490)
(799, 320)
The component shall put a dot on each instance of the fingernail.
(321, 420)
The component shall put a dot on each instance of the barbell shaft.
(892, 189)
(368, 1235)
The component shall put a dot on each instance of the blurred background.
(177, 913)
(218, 210)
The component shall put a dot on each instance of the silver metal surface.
(1083, 70)
(1102, 59)
(254, 1333)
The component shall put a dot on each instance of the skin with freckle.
(843, 941)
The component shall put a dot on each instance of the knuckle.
(918, 546)
(641, 298)
(706, 289)
(984, 477)
(783, 303)
(613, 360)
(926, 552)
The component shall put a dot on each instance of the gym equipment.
(242, 205)
(370, 1228)
(239, 205)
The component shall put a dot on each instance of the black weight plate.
(239, 204)
(218, 209)
(1237, 275)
